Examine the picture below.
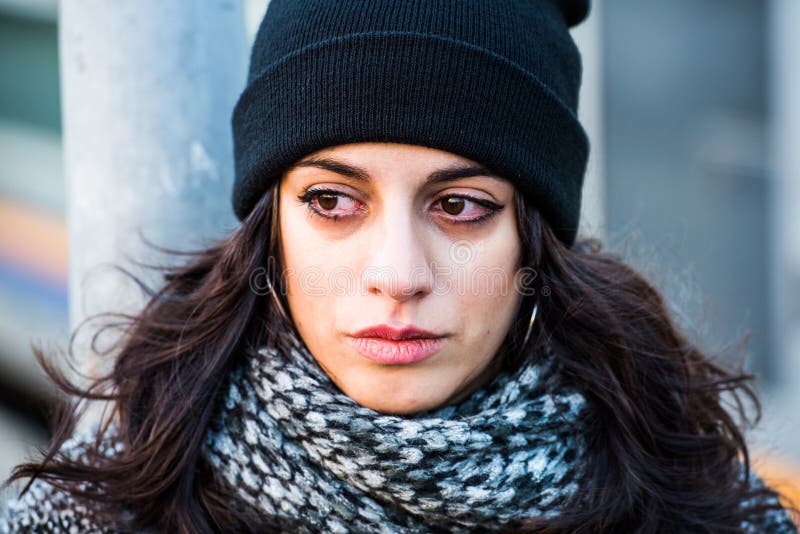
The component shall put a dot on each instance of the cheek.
(489, 302)
(302, 270)
(318, 273)
(488, 297)
(295, 235)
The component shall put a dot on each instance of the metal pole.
(588, 37)
(147, 90)
(782, 418)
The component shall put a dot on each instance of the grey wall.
(686, 188)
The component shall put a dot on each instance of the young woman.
(404, 334)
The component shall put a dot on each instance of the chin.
(402, 409)
(389, 402)
(398, 389)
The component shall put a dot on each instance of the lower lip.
(396, 352)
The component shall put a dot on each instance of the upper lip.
(388, 332)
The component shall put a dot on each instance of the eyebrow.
(448, 174)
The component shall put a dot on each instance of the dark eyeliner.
(309, 194)
(493, 208)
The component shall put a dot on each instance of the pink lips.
(385, 344)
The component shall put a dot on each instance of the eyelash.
(310, 194)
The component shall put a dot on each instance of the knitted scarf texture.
(291, 444)
(301, 456)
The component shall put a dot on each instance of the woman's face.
(399, 237)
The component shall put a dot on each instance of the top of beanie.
(575, 11)
(496, 81)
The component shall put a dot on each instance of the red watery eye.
(327, 202)
(462, 207)
(452, 205)
(333, 204)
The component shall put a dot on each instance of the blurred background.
(694, 175)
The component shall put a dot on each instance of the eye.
(453, 205)
(465, 209)
(329, 203)
(458, 209)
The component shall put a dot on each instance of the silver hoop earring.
(277, 300)
(530, 324)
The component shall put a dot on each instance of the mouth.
(389, 345)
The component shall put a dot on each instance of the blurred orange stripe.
(781, 475)
(34, 239)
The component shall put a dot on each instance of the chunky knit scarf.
(292, 445)
(301, 456)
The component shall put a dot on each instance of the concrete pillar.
(782, 420)
(147, 91)
(588, 37)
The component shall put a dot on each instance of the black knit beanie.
(495, 81)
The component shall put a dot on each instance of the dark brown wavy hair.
(664, 449)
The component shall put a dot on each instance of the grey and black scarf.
(301, 456)
(292, 445)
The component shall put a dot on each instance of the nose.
(398, 265)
